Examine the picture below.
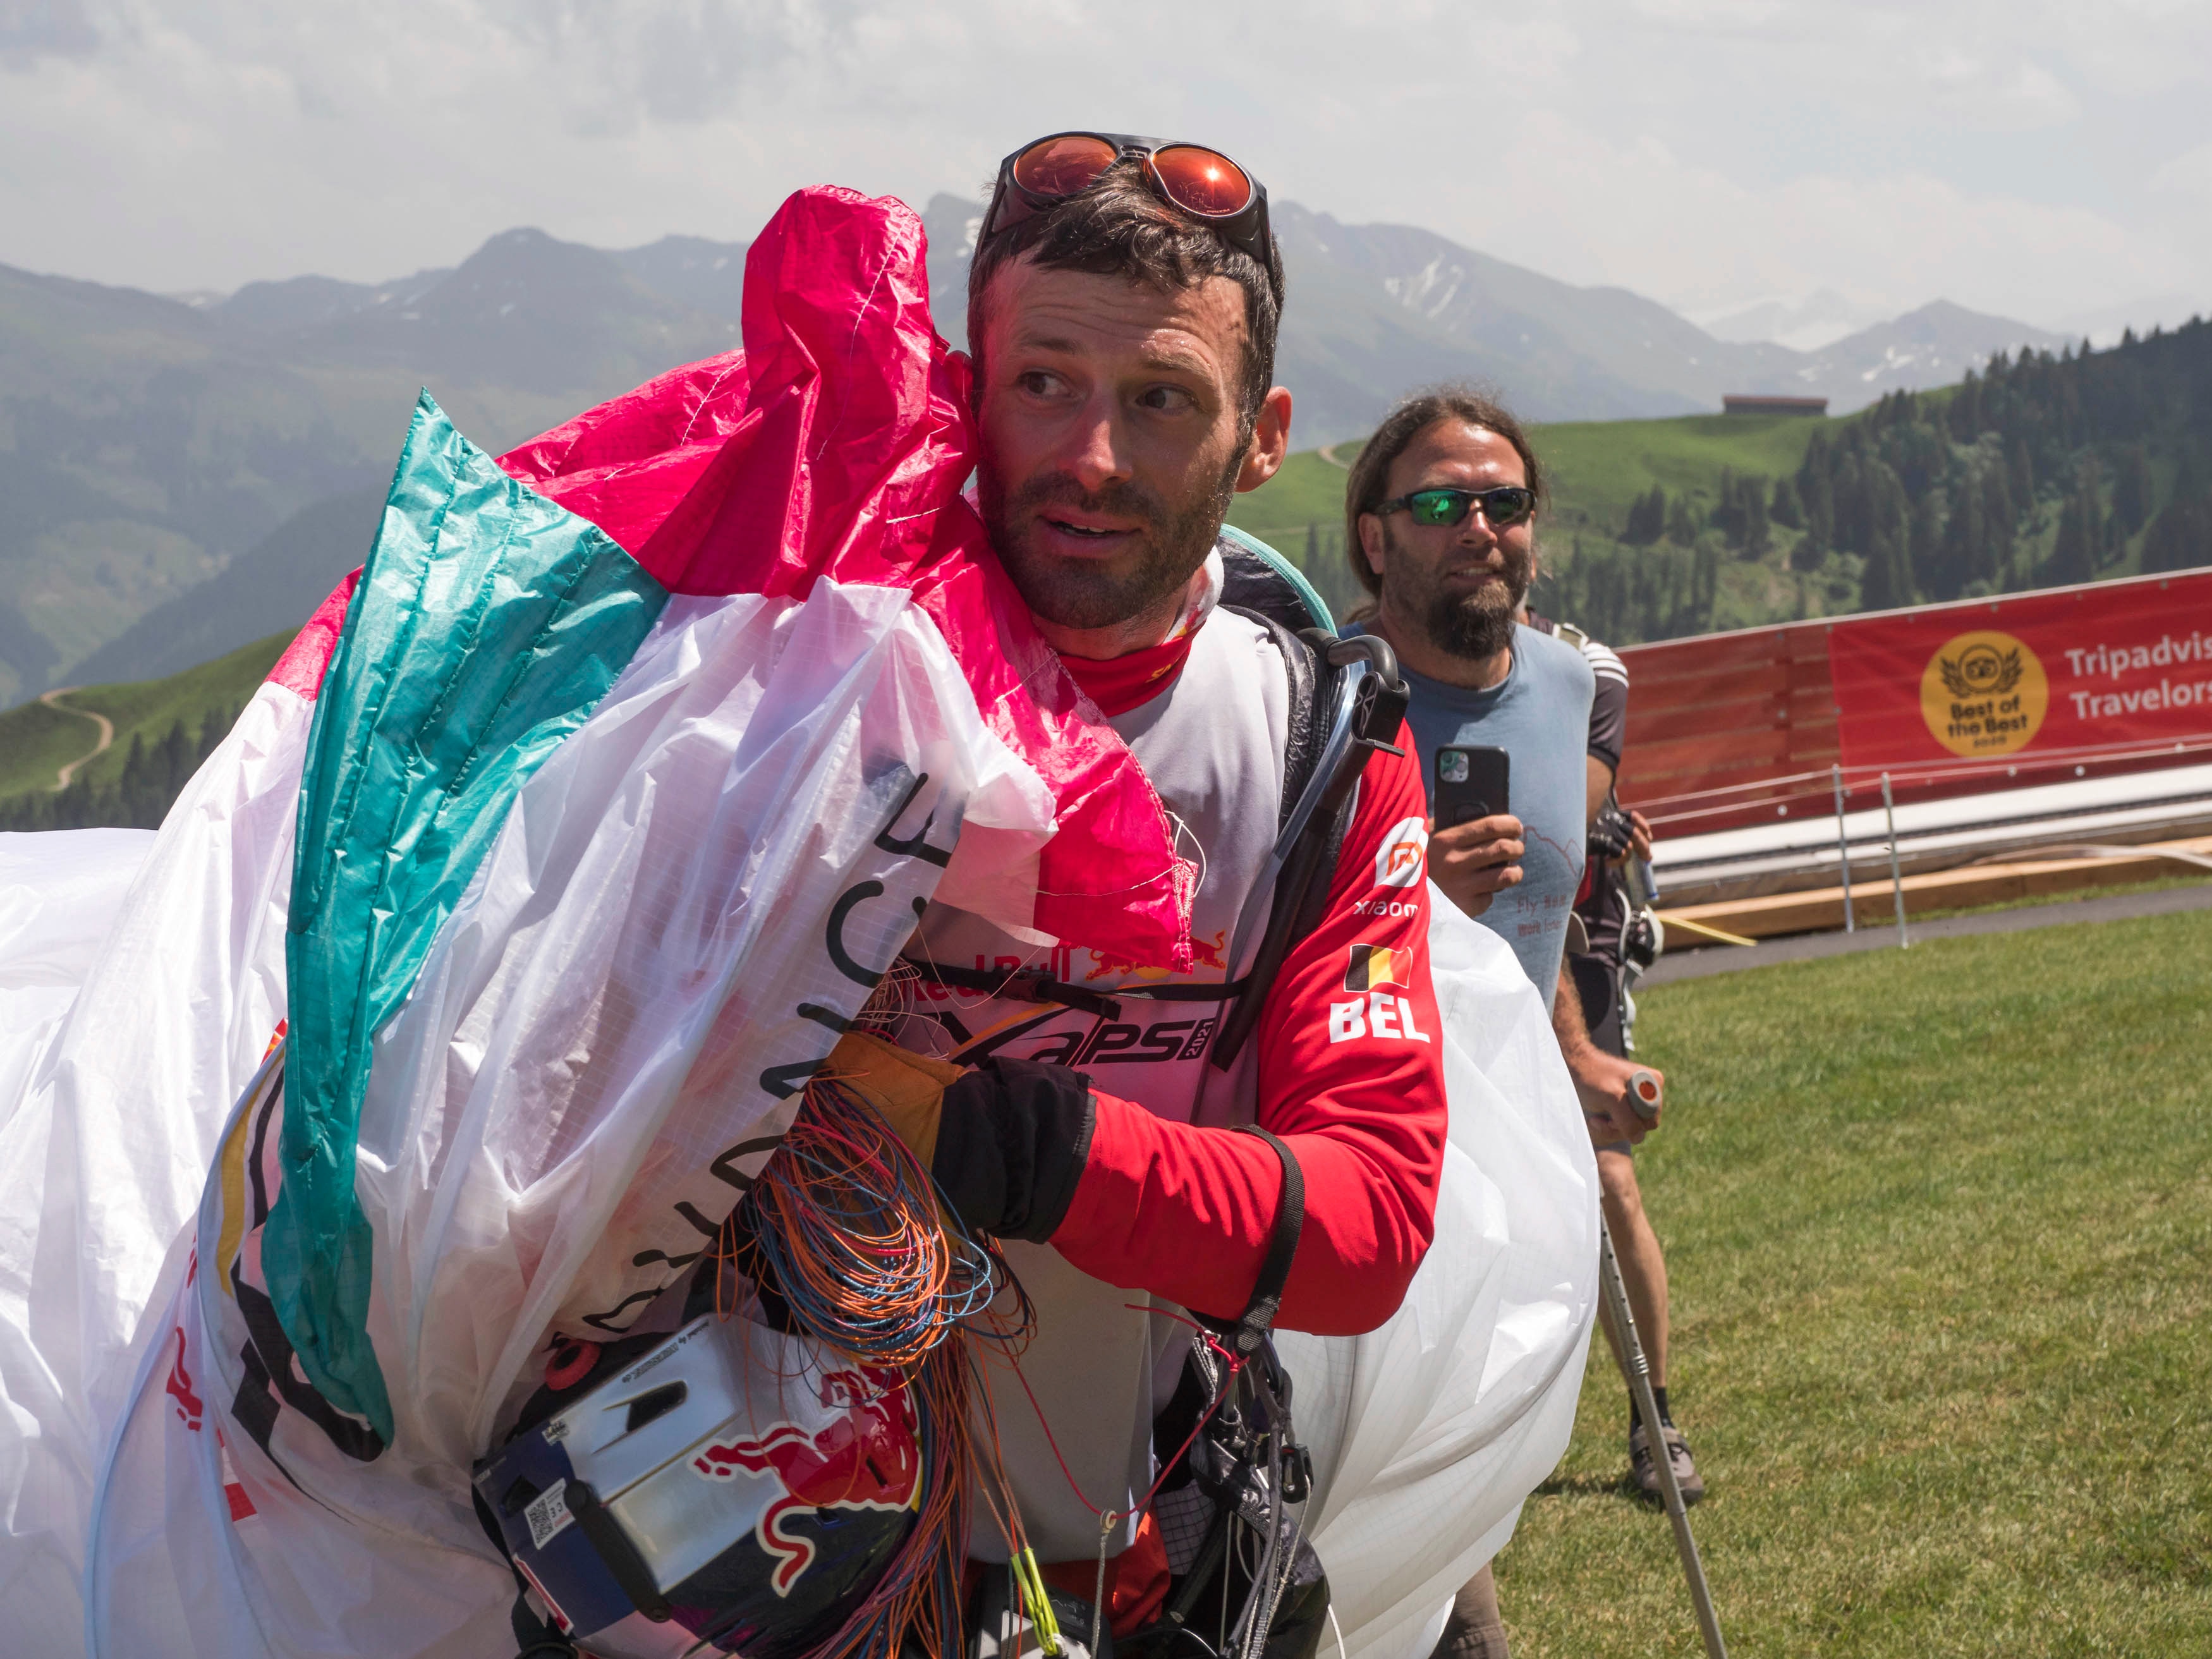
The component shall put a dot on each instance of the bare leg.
(1643, 1269)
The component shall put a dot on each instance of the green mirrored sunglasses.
(1506, 505)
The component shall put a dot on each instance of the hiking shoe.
(1647, 1473)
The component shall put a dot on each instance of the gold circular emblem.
(1984, 693)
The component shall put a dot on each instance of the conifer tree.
(2131, 490)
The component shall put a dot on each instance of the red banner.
(2072, 671)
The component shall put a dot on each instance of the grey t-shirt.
(1539, 715)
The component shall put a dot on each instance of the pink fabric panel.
(630, 464)
(300, 668)
(835, 445)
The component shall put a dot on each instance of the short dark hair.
(1119, 228)
(1369, 486)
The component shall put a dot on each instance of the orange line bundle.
(844, 1222)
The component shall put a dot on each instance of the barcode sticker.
(547, 1514)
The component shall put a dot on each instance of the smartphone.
(1471, 783)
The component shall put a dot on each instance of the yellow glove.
(908, 1089)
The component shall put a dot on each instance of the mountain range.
(150, 446)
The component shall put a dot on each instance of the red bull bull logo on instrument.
(869, 1458)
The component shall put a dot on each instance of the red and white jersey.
(1344, 1066)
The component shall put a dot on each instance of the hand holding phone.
(1474, 842)
(1472, 781)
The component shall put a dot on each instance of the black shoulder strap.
(1259, 1314)
(1306, 732)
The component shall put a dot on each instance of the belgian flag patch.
(1371, 967)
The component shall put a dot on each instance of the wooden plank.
(1822, 909)
(1748, 719)
(1710, 749)
(1711, 686)
(1666, 659)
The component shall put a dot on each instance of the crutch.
(1644, 1095)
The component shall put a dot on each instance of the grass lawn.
(1939, 1229)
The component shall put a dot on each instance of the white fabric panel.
(103, 1150)
(587, 1037)
(60, 892)
(1428, 1433)
(591, 1036)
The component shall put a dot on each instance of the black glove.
(1611, 833)
(1012, 1145)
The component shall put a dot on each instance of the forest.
(2038, 472)
(153, 774)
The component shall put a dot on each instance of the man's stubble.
(1073, 594)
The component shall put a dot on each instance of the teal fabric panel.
(488, 623)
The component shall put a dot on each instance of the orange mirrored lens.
(1062, 167)
(1203, 181)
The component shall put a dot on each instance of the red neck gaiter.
(1117, 684)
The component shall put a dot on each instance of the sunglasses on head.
(1506, 505)
(1200, 182)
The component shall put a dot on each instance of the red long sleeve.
(1350, 1076)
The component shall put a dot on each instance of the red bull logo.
(180, 1387)
(869, 1458)
(1104, 964)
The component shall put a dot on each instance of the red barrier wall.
(1728, 729)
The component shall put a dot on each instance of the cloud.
(2188, 176)
(1709, 152)
(31, 29)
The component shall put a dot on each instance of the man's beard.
(1078, 594)
(1474, 625)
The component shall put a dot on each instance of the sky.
(2050, 163)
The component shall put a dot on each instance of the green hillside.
(2039, 471)
(1599, 469)
(163, 729)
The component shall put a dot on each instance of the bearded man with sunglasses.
(1440, 512)
(1122, 302)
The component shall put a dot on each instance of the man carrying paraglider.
(797, 1005)
(1123, 303)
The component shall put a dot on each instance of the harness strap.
(1035, 985)
(1259, 1314)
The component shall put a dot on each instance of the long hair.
(1369, 486)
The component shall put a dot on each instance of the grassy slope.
(35, 740)
(1941, 1269)
(1598, 467)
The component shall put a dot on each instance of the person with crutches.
(1593, 1013)
(1440, 508)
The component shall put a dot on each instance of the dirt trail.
(1328, 452)
(106, 733)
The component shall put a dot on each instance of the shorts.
(1598, 984)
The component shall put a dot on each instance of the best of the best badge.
(1984, 693)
